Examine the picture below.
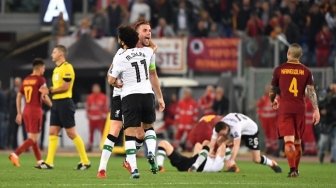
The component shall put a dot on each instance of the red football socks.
(298, 153)
(37, 152)
(290, 152)
(26, 144)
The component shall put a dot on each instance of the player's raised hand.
(153, 46)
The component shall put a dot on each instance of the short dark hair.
(61, 48)
(128, 35)
(37, 62)
(220, 126)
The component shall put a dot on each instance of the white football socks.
(160, 157)
(106, 153)
(150, 139)
(201, 158)
(131, 154)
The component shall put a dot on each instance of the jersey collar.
(61, 64)
(293, 61)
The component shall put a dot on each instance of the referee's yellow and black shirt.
(63, 73)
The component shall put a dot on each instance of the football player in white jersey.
(138, 100)
(200, 161)
(145, 34)
(144, 31)
(238, 126)
(115, 127)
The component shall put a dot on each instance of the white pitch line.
(182, 183)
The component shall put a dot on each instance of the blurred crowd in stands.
(310, 23)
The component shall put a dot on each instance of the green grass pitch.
(312, 174)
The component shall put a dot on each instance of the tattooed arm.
(313, 98)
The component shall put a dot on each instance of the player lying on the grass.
(237, 126)
(199, 161)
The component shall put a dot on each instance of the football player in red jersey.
(291, 82)
(34, 91)
(203, 129)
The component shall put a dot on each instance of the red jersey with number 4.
(292, 79)
(30, 89)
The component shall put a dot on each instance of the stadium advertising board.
(213, 55)
(171, 55)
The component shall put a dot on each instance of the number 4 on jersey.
(293, 87)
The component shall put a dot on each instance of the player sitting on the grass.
(237, 126)
(200, 161)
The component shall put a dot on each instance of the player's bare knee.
(147, 126)
(140, 134)
(205, 143)
(115, 128)
(256, 159)
(71, 133)
(163, 143)
(221, 150)
(33, 138)
(54, 130)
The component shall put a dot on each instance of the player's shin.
(37, 152)
(150, 139)
(201, 157)
(266, 161)
(160, 156)
(53, 144)
(290, 154)
(26, 144)
(298, 153)
(78, 141)
(131, 152)
(107, 150)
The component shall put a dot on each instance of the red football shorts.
(97, 124)
(32, 119)
(291, 125)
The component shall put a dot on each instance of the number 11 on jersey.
(136, 66)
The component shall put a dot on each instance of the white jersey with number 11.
(132, 66)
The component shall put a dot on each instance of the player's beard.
(145, 41)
